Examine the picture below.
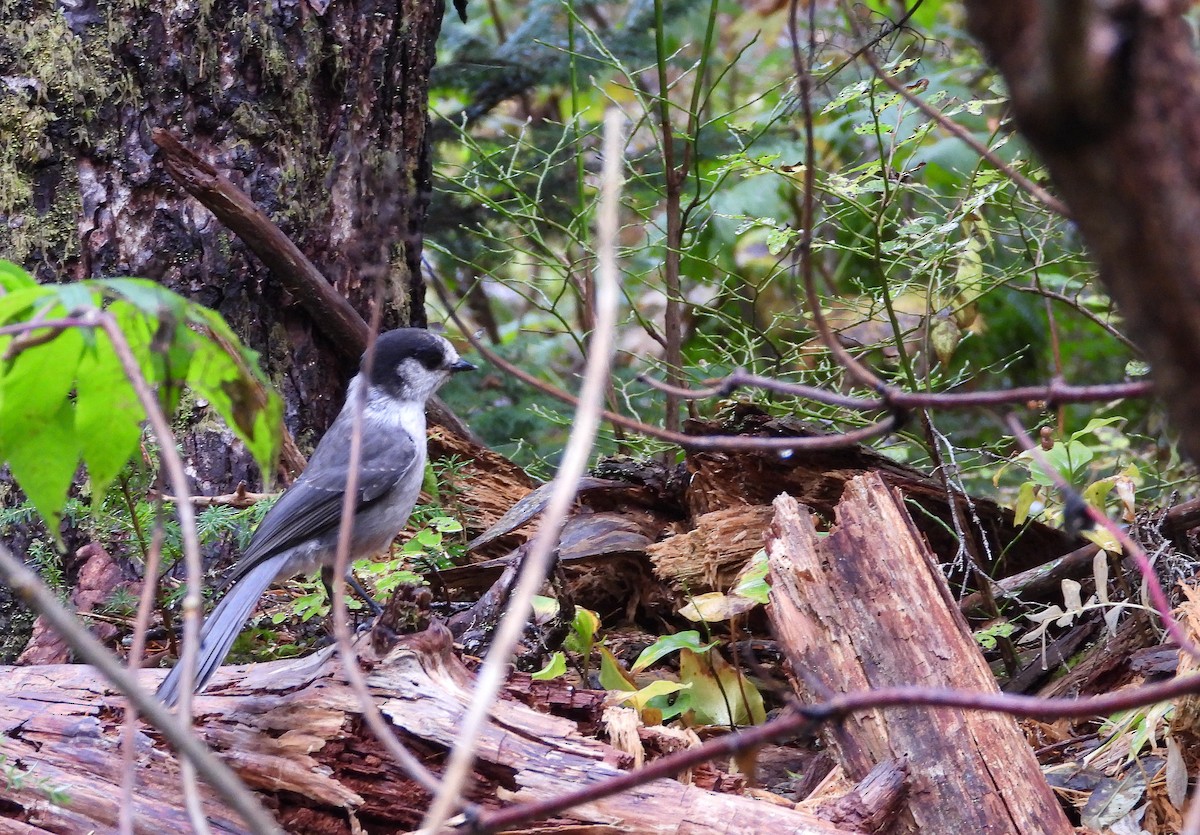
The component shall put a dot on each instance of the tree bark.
(867, 607)
(1109, 96)
(317, 111)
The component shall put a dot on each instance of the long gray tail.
(222, 627)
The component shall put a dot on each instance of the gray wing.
(313, 504)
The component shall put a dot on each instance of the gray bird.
(300, 532)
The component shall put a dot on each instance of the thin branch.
(801, 720)
(696, 442)
(859, 372)
(959, 132)
(329, 309)
(239, 498)
(193, 599)
(1057, 391)
(341, 625)
(1081, 310)
(134, 663)
(536, 565)
(674, 175)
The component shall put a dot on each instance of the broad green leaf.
(555, 667)
(1025, 496)
(720, 695)
(1096, 493)
(544, 607)
(584, 627)
(152, 299)
(716, 606)
(230, 380)
(15, 304)
(44, 463)
(612, 677)
(655, 689)
(35, 383)
(752, 582)
(69, 396)
(667, 644)
(14, 278)
(107, 416)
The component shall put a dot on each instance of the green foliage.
(668, 644)
(933, 265)
(18, 778)
(987, 637)
(65, 397)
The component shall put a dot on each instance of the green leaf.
(107, 416)
(227, 375)
(69, 395)
(584, 627)
(720, 694)
(612, 677)
(35, 382)
(716, 606)
(555, 667)
(37, 427)
(752, 582)
(14, 278)
(15, 305)
(1025, 496)
(44, 462)
(664, 646)
(654, 690)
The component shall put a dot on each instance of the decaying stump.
(816, 478)
(867, 607)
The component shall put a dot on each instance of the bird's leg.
(327, 582)
(375, 608)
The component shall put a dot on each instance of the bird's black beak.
(461, 365)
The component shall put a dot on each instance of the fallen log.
(867, 607)
(293, 731)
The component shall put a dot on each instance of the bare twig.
(535, 567)
(341, 623)
(674, 175)
(1057, 391)
(330, 310)
(134, 662)
(859, 372)
(800, 720)
(239, 498)
(797, 444)
(193, 599)
(1080, 310)
(959, 132)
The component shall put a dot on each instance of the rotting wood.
(292, 731)
(709, 557)
(867, 607)
(486, 483)
(816, 478)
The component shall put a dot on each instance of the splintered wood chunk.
(866, 607)
(709, 557)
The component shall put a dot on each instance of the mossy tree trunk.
(317, 110)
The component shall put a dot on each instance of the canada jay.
(300, 532)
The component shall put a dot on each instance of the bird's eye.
(430, 356)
